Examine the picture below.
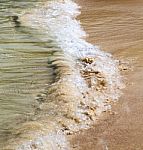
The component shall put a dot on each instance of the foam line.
(88, 79)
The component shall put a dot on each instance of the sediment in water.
(87, 79)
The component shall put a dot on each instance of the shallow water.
(53, 82)
(24, 68)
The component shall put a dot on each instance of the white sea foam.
(87, 86)
(59, 18)
(52, 141)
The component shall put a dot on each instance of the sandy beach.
(57, 84)
(116, 26)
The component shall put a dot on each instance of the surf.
(86, 80)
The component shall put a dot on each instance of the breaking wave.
(86, 80)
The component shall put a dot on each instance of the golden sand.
(117, 27)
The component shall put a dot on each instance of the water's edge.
(87, 80)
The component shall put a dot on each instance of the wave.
(87, 80)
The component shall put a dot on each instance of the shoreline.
(120, 130)
(87, 80)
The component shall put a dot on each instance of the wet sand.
(116, 26)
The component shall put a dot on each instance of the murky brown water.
(116, 26)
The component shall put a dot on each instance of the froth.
(88, 78)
